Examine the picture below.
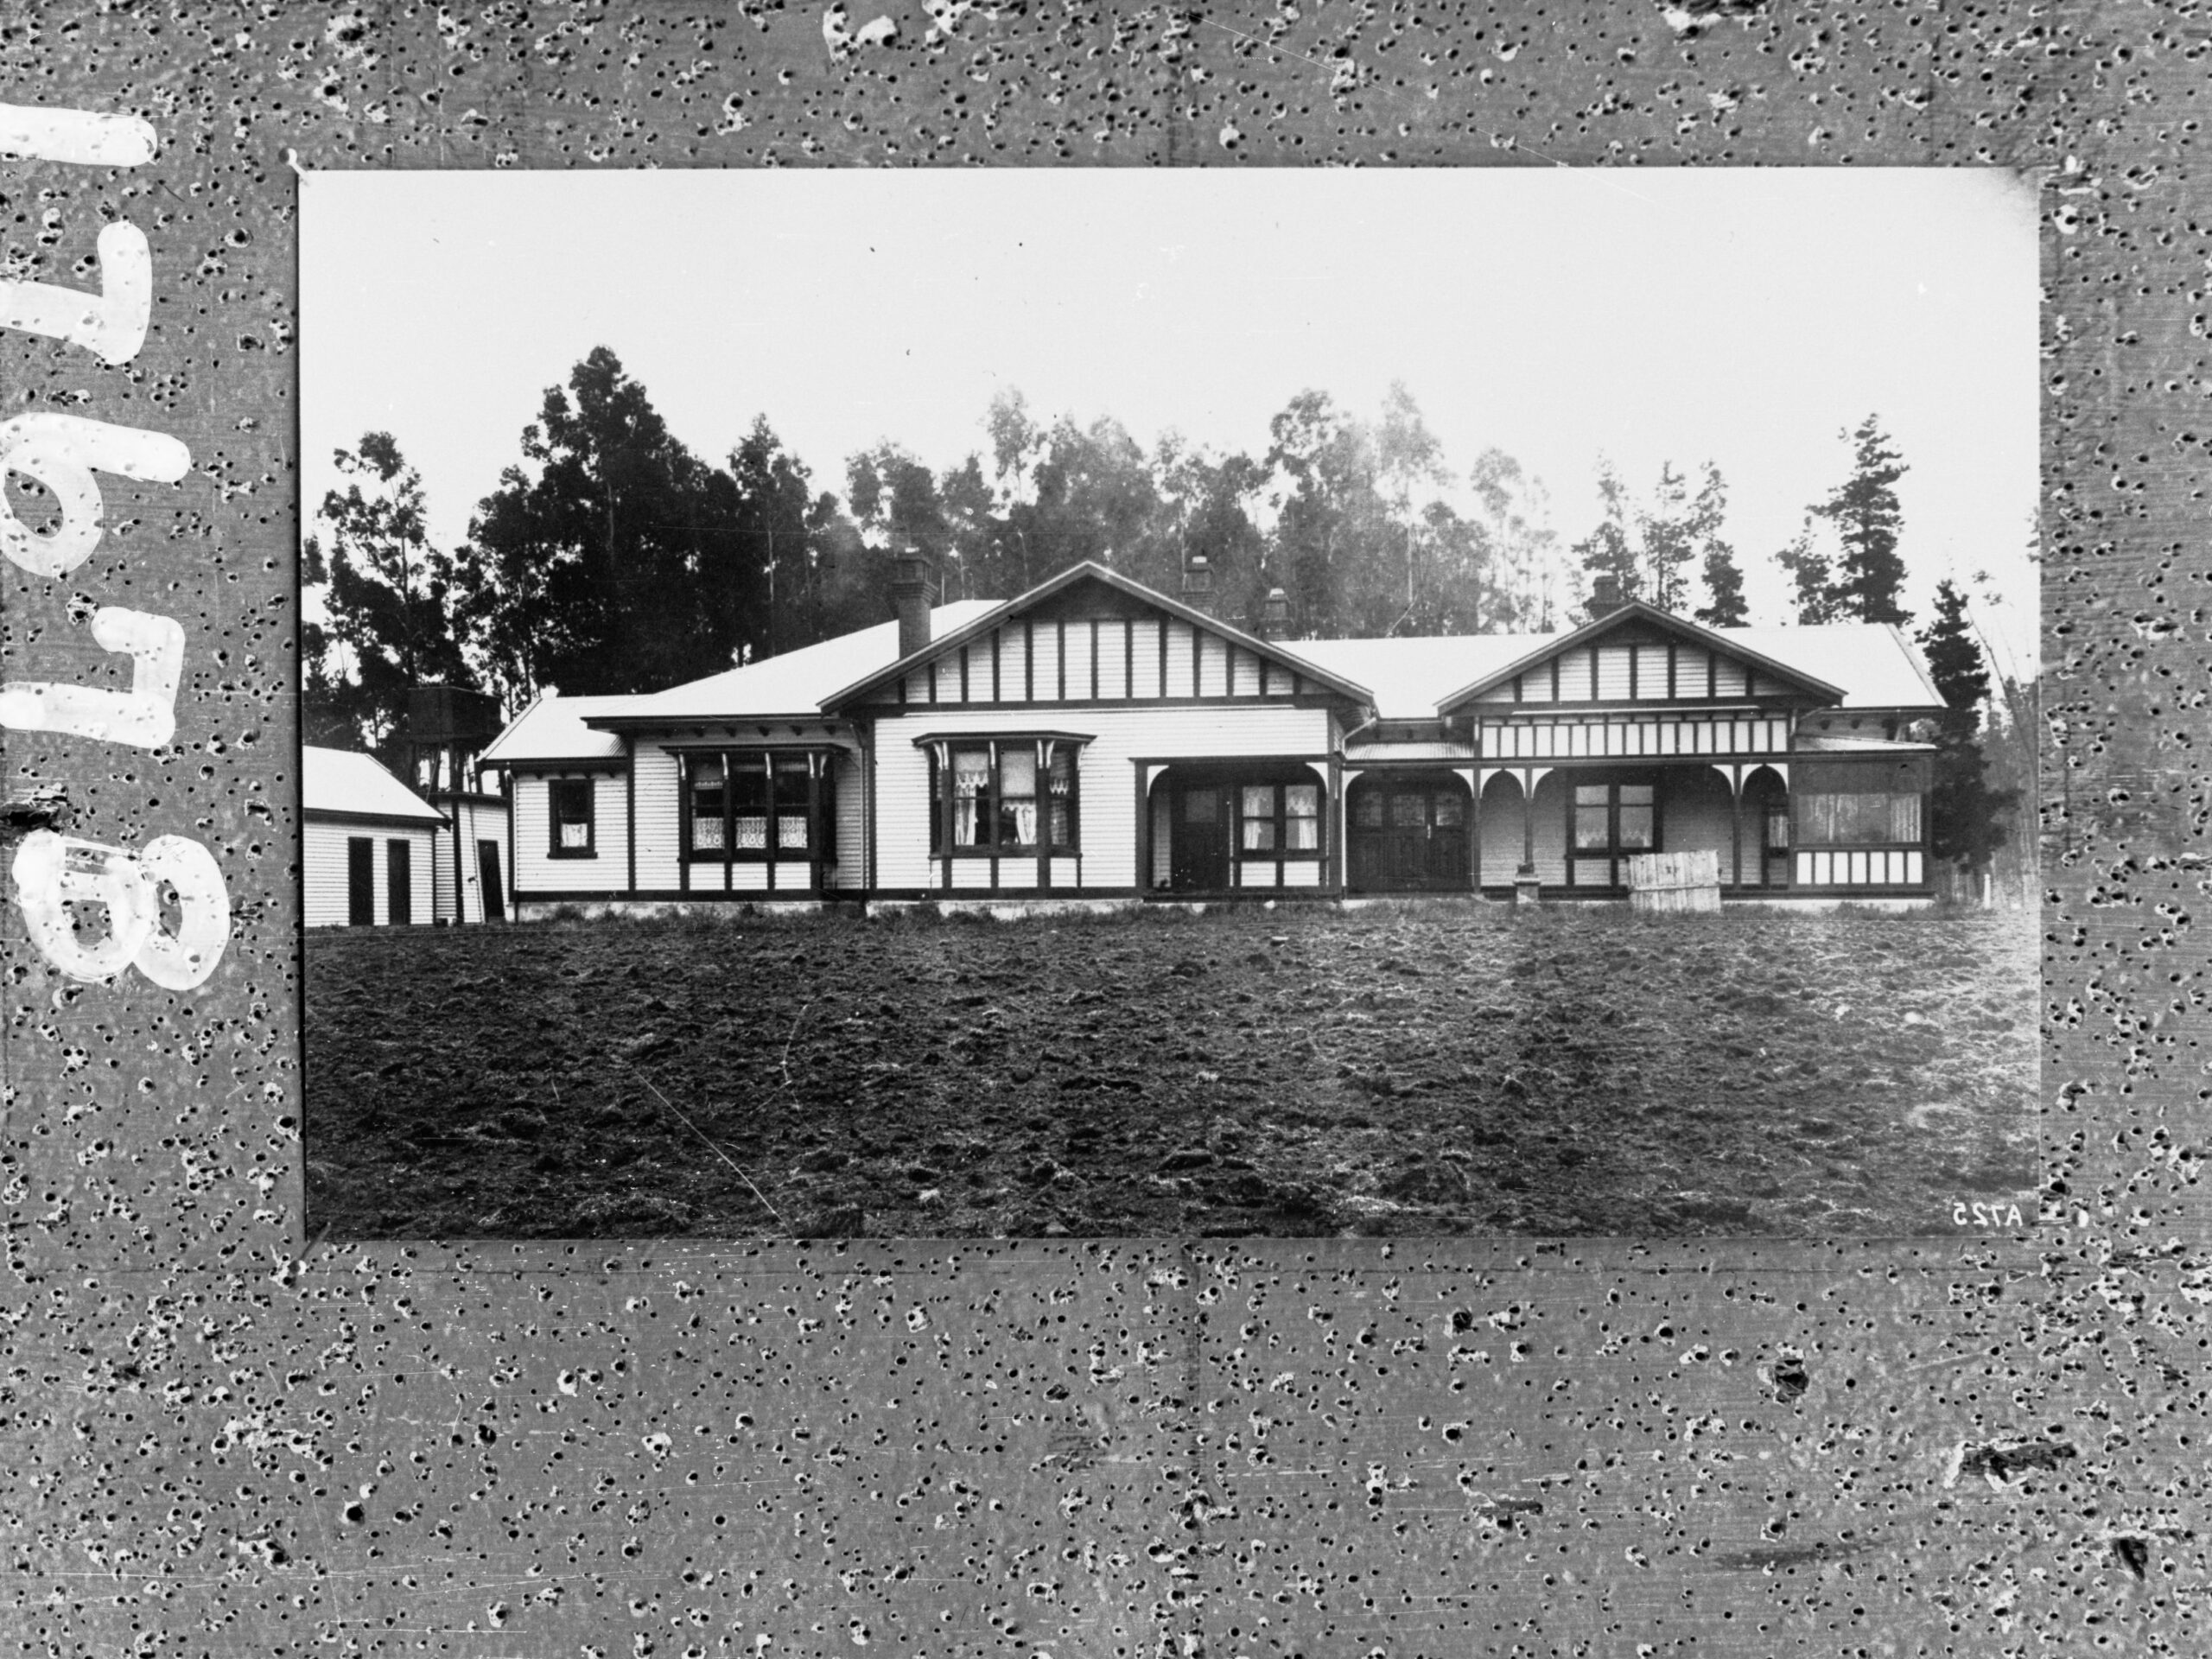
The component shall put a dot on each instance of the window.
(750, 807)
(1000, 800)
(710, 781)
(1858, 819)
(1611, 818)
(1059, 789)
(571, 800)
(793, 797)
(1017, 798)
(973, 821)
(1276, 819)
(748, 821)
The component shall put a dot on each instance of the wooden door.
(1204, 819)
(399, 882)
(1445, 868)
(1409, 836)
(360, 880)
(487, 874)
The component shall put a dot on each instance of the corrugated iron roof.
(797, 683)
(1874, 665)
(1362, 754)
(553, 728)
(341, 780)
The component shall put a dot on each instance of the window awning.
(1026, 734)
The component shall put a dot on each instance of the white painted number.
(83, 136)
(112, 322)
(54, 871)
(144, 716)
(61, 452)
(94, 910)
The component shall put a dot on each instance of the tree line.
(610, 558)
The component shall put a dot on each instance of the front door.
(1409, 836)
(487, 874)
(1204, 815)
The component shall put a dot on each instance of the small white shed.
(369, 843)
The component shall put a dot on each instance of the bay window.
(753, 806)
(1002, 796)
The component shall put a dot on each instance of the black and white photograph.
(1024, 704)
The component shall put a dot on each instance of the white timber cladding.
(442, 887)
(537, 871)
(657, 780)
(851, 780)
(1105, 771)
(476, 822)
(326, 884)
(1637, 735)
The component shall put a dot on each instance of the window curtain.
(972, 780)
(1018, 797)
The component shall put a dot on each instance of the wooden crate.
(1674, 880)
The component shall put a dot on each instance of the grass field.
(1419, 1070)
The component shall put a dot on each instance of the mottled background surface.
(224, 1436)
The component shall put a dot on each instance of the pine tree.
(1724, 606)
(1814, 595)
(1607, 550)
(1865, 511)
(1967, 817)
(1953, 656)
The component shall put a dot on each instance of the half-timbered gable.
(1094, 737)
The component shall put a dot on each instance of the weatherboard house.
(1094, 739)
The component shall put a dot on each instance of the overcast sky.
(1744, 316)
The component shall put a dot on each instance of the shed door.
(399, 882)
(487, 872)
(360, 880)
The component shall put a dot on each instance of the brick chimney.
(913, 590)
(1605, 596)
(1198, 583)
(1274, 615)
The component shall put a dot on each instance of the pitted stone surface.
(229, 1437)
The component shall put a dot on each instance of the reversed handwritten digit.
(61, 452)
(180, 961)
(55, 871)
(112, 322)
(85, 137)
(144, 716)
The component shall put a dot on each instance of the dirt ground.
(1434, 1068)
